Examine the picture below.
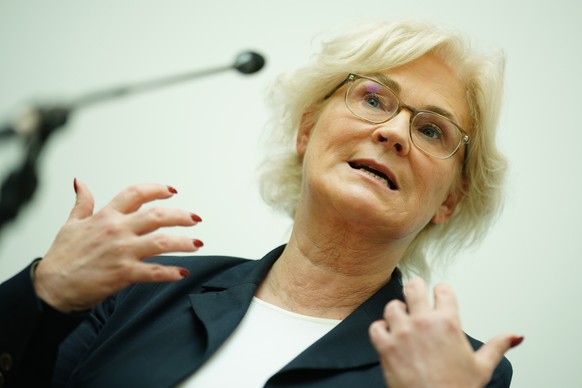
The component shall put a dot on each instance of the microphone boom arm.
(145, 86)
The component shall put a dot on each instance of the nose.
(395, 133)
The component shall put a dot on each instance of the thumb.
(84, 203)
(491, 353)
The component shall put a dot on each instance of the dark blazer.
(157, 334)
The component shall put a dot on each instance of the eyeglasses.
(376, 103)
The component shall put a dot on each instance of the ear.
(447, 208)
(304, 132)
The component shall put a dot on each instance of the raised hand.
(96, 254)
(424, 346)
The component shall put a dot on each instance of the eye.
(373, 101)
(431, 131)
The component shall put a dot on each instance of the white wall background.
(523, 278)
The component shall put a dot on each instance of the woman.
(379, 173)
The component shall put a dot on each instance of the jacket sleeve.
(502, 375)
(30, 333)
(503, 372)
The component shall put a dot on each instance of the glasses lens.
(435, 134)
(371, 101)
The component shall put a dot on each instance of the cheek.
(436, 182)
(331, 140)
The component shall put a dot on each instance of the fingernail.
(515, 341)
(184, 272)
(172, 190)
(198, 243)
(195, 217)
(75, 185)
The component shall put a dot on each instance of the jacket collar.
(349, 342)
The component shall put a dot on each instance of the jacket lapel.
(225, 299)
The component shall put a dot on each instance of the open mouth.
(379, 175)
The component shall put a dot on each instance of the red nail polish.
(198, 243)
(515, 341)
(75, 185)
(195, 217)
(184, 272)
(172, 190)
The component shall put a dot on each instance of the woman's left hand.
(424, 346)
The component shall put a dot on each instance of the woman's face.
(340, 149)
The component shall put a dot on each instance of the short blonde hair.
(378, 47)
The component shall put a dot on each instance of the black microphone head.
(249, 62)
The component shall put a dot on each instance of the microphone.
(46, 118)
(249, 62)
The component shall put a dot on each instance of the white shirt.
(266, 340)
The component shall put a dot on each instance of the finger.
(84, 202)
(380, 336)
(157, 244)
(395, 313)
(491, 353)
(147, 272)
(445, 300)
(132, 198)
(416, 296)
(148, 220)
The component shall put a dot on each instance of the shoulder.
(503, 372)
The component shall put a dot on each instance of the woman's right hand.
(96, 255)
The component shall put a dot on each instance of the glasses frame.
(352, 77)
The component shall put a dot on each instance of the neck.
(328, 274)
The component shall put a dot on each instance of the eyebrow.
(442, 112)
(387, 81)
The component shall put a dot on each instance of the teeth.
(371, 172)
(381, 179)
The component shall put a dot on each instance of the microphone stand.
(40, 123)
(19, 186)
